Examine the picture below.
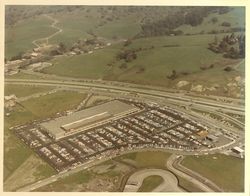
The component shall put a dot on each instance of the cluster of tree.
(17, 57)
(61, 49)
(86, 45)
(232, 46)
(127, 55)
(186, 15)
(226, 24)
(229, 30)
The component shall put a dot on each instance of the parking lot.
(154, 126)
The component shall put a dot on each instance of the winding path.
(53, 25)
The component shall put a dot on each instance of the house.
(238, 150)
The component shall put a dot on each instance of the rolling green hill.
(18, 38)
(182, 52)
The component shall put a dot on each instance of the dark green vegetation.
(226, 171)
(15, 152)
(231, 45)
(150, 183)
(189, 16)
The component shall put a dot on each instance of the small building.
(34, 54)
(238, 150)
(10, 97)
(212, 138)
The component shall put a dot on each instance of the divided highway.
(134, 91)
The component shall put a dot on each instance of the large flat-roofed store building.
(87, 118)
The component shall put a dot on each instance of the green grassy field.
(68, 183)
(147, 159)
(22, 91)
(49, 105)
(226, 171)
(124, 28)
(187, 185)
(22, 75)
(150, 183)
(19, 38)
(189, 53)
(15, 152)
(75, 26)
(83, 66)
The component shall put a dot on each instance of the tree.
(62, 47)
(214, 20)
(226, 24)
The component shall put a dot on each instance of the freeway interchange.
(231, 136)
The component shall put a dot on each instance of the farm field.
(217, 168)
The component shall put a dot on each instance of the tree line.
(186, 15)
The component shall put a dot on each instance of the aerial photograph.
(109, 98)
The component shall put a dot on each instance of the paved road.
(198, 183)
(169, 184)
(177, 97)
(121, 90)
(209, 183)
(117, 83)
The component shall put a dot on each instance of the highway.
(177, 97)
(141, 94)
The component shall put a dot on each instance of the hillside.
(166, 45)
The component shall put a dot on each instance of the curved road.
(59, 30)
(170, 183)
(191, 176)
